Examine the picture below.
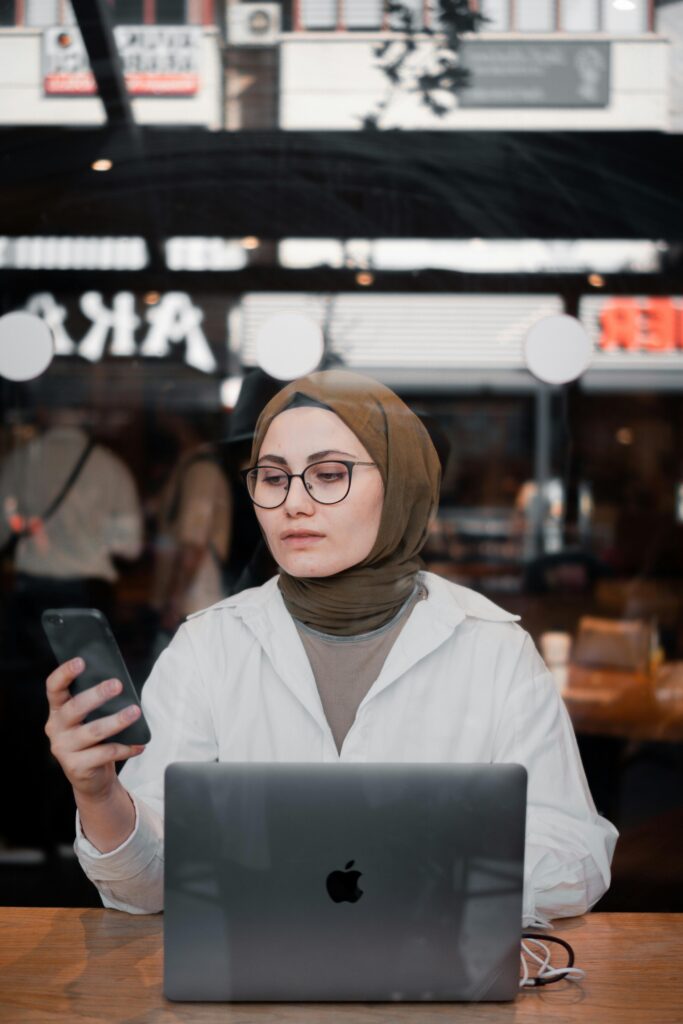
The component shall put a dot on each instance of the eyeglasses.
(325, 482)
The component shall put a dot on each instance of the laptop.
(343, 882)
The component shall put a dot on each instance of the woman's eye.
(274, 479)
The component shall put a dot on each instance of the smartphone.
(85, 633)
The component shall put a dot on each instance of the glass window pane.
(6, 12)
(319, 13)
(416, 8)
(629, 16)
(580, 16)
(363, 14)
(41, 12)
(171, 12)
(535, 15)
(129, 12)
(498, 13)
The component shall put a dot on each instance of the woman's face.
(308, 539)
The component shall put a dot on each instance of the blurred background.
(203, 199)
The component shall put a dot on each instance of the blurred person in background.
(250, 563)
(65, 554)
(193, 535)
(69, 508)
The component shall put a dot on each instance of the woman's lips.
(301, 540)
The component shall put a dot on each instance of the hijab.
(369, 594)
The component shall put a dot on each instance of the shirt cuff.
(128, 859)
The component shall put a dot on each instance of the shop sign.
(633, 324)
(522, 73)
(157, 60)
(173, 320)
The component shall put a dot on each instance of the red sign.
(641, 325)
(141, 84)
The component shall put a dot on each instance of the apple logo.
(343, 885)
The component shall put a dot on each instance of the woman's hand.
(87, 762)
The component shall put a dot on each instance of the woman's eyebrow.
(311, 458)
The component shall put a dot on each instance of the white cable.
(544, 970)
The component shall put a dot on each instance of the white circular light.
(26, 346)
(289, 345)
(557, 349)
(230, 391)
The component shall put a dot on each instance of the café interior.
(561, 502)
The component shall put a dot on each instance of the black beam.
(98, 37)
(344, 184)
(18, 284)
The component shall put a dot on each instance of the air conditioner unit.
(253, 24)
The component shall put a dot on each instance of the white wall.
(333, 83)
(670, 24)
(22, 101)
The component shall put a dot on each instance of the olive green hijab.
(368, 594)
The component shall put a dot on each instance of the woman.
(351, 653)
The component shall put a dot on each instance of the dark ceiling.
(342, 184)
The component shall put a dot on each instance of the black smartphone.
(85, 633)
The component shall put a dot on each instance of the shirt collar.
(449, 601)
(431, 622)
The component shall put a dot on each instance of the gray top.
(345, 667)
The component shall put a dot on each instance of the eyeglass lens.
(326, 482)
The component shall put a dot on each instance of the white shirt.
(462, 683)
(99, 517)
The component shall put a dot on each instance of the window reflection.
(561, 504)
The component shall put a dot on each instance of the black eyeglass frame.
(244, 473)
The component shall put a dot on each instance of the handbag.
(9, 547)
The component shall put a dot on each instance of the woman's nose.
(298, 499)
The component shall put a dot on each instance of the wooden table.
(94, 966)
(628, 705)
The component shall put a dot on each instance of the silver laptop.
(339, 882)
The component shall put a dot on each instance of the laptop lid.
(336, 882)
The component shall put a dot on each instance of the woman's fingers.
(81, 749)
(75, 710)
(105, 753)
(81, 737)
(59, 681)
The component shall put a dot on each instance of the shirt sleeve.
(569, 846)
(177, 709)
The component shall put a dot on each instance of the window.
(615, 16)
(497, 14)
(6, 13)
(318, 14)
(363, 14)
(45, 13)
(535, 15)
(623, 18)
(171, 12)
(128, 12)
(416, 8)
(42, 13)
(354, 15)
(580, 16)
